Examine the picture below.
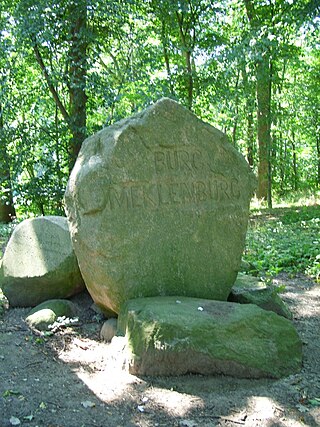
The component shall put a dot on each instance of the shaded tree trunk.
(264, 125)
(263, 91)
(77, 72)
(294, 162)
(77, 62)
(7, 209)
(187, 38)
(236, 115)
(250, 108)
(166, 56)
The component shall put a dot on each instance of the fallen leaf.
(88, 404)
(14, 421)
(42, 405)
(28, 417)
(8, 393)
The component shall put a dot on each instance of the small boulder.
(39, 263)
(179, 335)
(45, 314)
(250, 290)
(108, 330)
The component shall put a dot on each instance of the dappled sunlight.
(174, 403)
(263, 408)
(102, 368)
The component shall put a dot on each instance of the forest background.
(251, 68)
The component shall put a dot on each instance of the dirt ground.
(72, 379)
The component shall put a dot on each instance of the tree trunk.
(7, 209)
(187, 49)
(263, 90)
(236, 114)
(77, 60)
(250, 108)
(166, 56)
(78, 72)
(263, 123)
(294, 162)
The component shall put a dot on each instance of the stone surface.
(46, 313)
(39, 263)
(158, 204)
(250, 290)
(174, 336)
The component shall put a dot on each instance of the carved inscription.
(154, 195)
(177, 160)
(165, 189)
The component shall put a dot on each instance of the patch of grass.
(284, 239)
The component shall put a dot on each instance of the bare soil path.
(72, 379)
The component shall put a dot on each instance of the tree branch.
(50, 84)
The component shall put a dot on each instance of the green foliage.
(285, 239)
(201, 53)
(5, 233)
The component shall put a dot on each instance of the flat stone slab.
(158, 204)
(179, 335)
(250, 290)
(39, 263)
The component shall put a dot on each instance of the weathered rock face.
(178, 335)
(39, 263)
(158, 204)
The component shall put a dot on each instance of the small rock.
(250, 290)
(108, 330)
(45, 314)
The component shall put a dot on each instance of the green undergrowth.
(281, 239)
(284, 239)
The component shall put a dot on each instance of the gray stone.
(158, 204)
(45, 314)
(108, 330)
(171, 336)
(250, 290)
(39, 263)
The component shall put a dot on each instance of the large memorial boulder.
(170, 336)
(39, 263)
(158, 204)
